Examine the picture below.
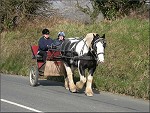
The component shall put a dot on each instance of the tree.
(11, 10)
(111, 9)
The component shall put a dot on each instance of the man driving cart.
(44, 43)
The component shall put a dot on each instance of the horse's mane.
(88, 38)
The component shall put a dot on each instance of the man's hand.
(49, 46)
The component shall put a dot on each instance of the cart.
(53, 66)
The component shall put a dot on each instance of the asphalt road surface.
(50, 96)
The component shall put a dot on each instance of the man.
(44, 42)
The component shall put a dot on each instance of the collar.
(45, 38)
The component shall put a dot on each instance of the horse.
(83, 54)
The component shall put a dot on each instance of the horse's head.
(98, 46)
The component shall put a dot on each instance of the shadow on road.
(56, 83)
(49, 83)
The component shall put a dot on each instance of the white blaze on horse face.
(100, 49)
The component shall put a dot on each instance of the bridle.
(94, 48)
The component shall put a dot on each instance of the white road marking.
(31, 109)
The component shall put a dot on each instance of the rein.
(100, 53)
(95, 58)
(83, 46)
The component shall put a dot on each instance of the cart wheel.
(33, 76)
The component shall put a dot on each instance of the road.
(50, 96)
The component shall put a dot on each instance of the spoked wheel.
(33, 76)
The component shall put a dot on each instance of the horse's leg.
(69, 80)
(82, 81)
(88, 89)
(66, 78)
(66, 82)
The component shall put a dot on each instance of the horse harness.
(68, 50)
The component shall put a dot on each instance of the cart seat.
(34, 49)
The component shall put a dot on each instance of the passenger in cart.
(57, 42)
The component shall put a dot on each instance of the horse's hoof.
(79, 85)
(89, 94)
(67, 88)
(73, 90)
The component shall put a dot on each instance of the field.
(126, 67)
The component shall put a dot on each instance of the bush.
(112, 9)
(13, 11)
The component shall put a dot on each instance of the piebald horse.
(84, 53)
